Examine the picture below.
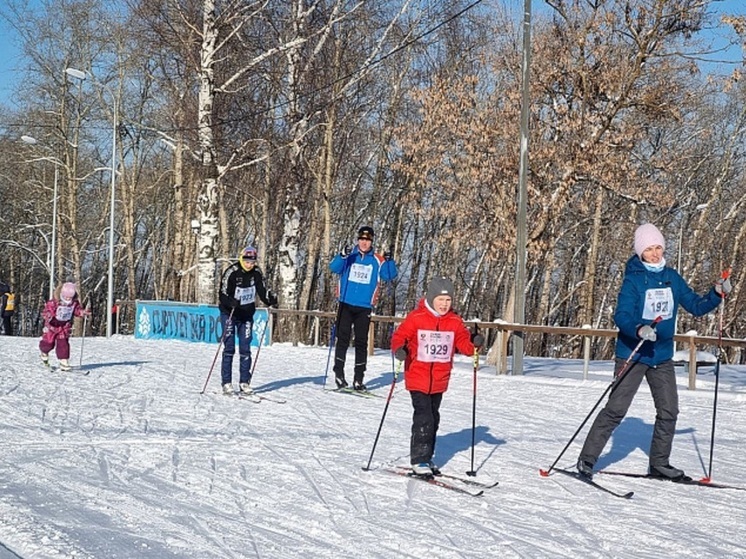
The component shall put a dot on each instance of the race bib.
(433, 346)
(64, 313)
(360, 273)
(246, 295)
(658, 302)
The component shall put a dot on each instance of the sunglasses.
(364, 239)
(248, 258)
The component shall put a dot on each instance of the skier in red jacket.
(426, 340)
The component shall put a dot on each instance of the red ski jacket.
(431, 341)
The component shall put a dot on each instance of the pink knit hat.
(648, 235)
(68, 291)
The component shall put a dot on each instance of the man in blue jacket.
(360, 272)
(646, 310)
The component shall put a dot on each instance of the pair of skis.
(353, 392)
(255, 397)
(686, 480)
(457, 484)
(57, 369)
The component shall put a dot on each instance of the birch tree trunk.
(207, 200)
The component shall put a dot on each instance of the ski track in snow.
(130, 460)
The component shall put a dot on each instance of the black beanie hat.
(438, 286)
(365, 232)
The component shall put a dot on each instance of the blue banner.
(167, 320)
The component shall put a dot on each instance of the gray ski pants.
(662, 382)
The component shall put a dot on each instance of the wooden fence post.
(586, 352)
(692, 364)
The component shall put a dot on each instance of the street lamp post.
(53, 245)
(54, 233)
(79, 74)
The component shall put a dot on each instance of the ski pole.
(614, 382)
(332, 340)
(259, 349)
(385, 409)
(82, 339)
(333, 336)
(724, 276)
(217, 352)
(472, 472)
(392, 327)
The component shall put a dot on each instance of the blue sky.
(12, 62)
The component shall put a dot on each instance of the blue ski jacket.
(360, 275)
(646, 295)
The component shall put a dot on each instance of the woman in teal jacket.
(650, 290)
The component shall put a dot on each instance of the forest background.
(288, 125)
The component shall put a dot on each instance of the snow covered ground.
(131, 461)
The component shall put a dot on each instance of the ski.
(269, 398)
(685, 481)
(589, 481)
(353, 392)
(435, 481)
(254, 397)
(239, 396)
(56, 369)
(465, 480)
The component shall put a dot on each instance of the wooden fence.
(498, 335)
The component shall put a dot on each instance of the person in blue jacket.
(650, 290)
(360, 271)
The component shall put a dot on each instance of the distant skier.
(58, 316)
(360, 271)
(427, 340)
(240, 285)
(7, 308)
(650, 289)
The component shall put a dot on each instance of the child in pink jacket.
(58, 317)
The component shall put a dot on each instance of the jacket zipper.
(432, 364)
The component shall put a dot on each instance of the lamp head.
(75, 73)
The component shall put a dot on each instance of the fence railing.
(498, 335)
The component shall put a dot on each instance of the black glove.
(477, 340)
(401, 353)
(272, 299)
(389, 254)
(346, 251)
(234, 303)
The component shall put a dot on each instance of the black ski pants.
(358, 317)
(425, 422)
(662, 382)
